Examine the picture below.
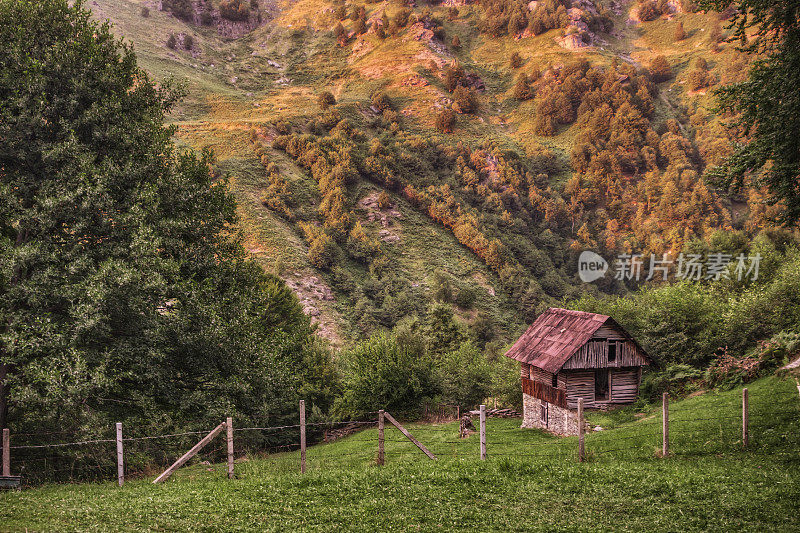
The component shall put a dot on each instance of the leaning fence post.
(380, 438)
(483, 432)
(229, 439)
(120, 457)
(581, 427)
(665, 424)
(6, 452)
(745, 416)
(302, 436)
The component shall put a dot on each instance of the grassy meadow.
(530, 481)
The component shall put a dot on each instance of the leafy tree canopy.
(768, 111)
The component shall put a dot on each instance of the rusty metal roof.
(554, 337)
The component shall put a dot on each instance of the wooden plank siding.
(580, 384)
(624, 385)
(594, 354)
(544, 392)
(543, 376)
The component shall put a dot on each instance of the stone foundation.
(558, 420)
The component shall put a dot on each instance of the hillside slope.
(561, 142)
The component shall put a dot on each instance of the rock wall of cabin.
(559, 420)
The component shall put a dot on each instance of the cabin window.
(543, 412)
(612, 351)
(555, 381)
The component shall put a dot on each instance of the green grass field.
(530, 481)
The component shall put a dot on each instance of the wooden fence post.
(229, 439)
(120, 457)
(745, 416)
(380, 438)
(581, 427)
(302, 436)
(665, 424)
(483, 432)
(6, 452)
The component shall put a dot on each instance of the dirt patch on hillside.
(386, 216)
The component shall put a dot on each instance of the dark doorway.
(601, 384)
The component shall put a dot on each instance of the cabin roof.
(556, 335)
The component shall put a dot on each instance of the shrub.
(516, 60)
(465, 99)
(698, 79)
(679, 34)
(172, 42)
(323, 252)
(381, 101)
(326, 99)
(445, 121)
(206, 18)
(465, 377)
(384, 200)
(678, 379)
(660, 69)
(188, 42)
(382, 373)
(466, 297)
(145, 12)
(234, 10)
(456, 41)
(522, 90)
(180, 8)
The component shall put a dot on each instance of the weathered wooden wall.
(544, 391)
(580, 384)
(594, 354)
(624, 385)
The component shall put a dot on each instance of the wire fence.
(765, 425)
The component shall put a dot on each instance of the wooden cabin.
(566, 355)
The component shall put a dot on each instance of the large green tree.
(123, 290)
(767, 103)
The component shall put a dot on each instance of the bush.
(465, 377)
(381, 101)
(188, 42)
(465, 100)
(522, 90)
(206, 18)
(384, 200)
(145, 12)
(660, 69)
(326, 99)
(323, 252)
(445, 121)
(382, 373)
(172, 42)
(182, 9)
(466, 297)
(698, 79)
(456, 42)
(516, 60)
(234, 10)
(679, 34)
(677, 379)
